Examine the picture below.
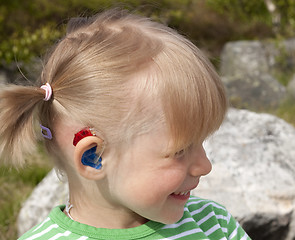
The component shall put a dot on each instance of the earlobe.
(87, 158)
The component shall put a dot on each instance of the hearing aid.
(89, 157)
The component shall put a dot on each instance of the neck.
(101, 214)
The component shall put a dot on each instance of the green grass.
(15, 187)
(286, 111)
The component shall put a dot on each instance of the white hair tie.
(48, 91)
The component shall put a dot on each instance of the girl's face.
(150, 182)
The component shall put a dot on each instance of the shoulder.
(212, 217)
(208, 212)
(202, 206)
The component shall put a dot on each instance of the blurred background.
(28, 28)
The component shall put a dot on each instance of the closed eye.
(180, 153)
(183, 152)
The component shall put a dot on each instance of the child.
(124, 108)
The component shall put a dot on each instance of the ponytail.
(17, 128)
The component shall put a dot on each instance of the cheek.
(153, 187)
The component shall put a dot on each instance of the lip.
(195, 185)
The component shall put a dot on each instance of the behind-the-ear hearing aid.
(89, 157)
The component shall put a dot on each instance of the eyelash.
(180, 153)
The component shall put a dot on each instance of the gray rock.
(243, 58)
(253, 175)
(50, 192)
(253, 71)
(258, 57)
(289, 51)
(257, 92)
(280, 56)
(291, 88)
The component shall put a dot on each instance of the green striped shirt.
(202, 219)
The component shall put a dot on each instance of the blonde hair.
(103, 72)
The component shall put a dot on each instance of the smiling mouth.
(182, 196)
(185, 194)
(181, 193)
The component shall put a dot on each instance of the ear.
(82, 146)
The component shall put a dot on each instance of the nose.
(200, 165)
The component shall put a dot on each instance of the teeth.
(181, 193)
